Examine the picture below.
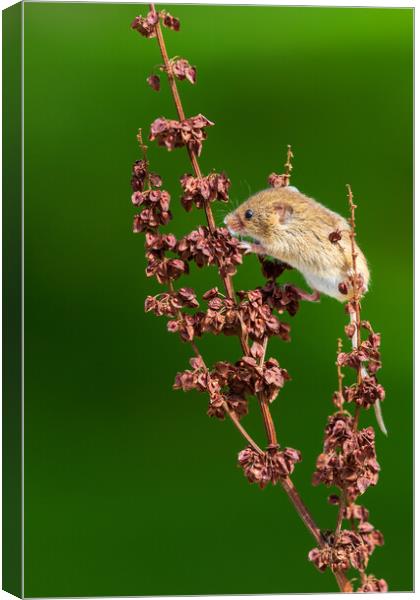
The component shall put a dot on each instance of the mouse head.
(263, 216)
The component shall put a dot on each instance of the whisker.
(249, 187)
(222, 210)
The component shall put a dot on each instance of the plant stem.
(340, 375)
(343, 583)
(242, 430)
(304, 513)
(288, 164)
(341, 510)
(310, 524)
(265, 408)
(356, 293)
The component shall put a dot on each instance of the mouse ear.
(284, 211)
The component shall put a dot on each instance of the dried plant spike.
(142, 145)
(339, 373)
(348, 460)
(352, 233)
(288, 163)
(338, 398)
(275, 180)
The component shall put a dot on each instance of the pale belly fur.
(325, 285)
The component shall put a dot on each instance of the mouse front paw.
(249, 247)
(245, 246)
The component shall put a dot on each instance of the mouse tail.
(379, 417)
(377, 405)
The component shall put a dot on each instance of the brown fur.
(295, 229)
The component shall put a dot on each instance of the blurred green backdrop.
(129, 488)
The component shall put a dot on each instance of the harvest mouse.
(297, 230)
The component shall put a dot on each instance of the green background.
(129, 488)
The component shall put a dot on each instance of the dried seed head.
(335, 236)
(154, 82)
(269, 467)
(175, 134)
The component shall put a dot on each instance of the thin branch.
(288, 164)
(242, 430)
(340, 516)
(343, 583)
(304, 514)
(264, 406)
(356, 290)
(340, 375)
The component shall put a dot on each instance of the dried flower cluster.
(182, 69)
(139, 175)
(247, 377)
(199, 190)
(170, 303)
(177, 67)
(216, 247)
(367, 351)
(269, 467)
(223, 316)
(348, 460)
(146, 26)
(348, 550)
(351, 548)
(175, 134)
(226, 316)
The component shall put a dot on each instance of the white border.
(323, 3)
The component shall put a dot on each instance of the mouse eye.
(248, 214)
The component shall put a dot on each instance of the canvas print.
(244, 174)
